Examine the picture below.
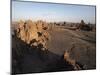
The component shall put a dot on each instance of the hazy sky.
(52, 12)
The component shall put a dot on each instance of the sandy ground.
(80, 44)
(84, 42)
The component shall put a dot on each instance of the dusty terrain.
(40, 47)
(84, 43)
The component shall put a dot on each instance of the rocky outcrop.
(33, 33)
(71, 61)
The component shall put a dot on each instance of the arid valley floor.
(42, 47)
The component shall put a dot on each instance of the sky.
(52, 12)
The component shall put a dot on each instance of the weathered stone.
(28, 30)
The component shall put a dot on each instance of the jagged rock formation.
(33, 33)
(71, 61)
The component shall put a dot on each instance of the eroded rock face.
(33, 33)
(71, 61)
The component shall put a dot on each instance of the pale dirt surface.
(84, 41)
